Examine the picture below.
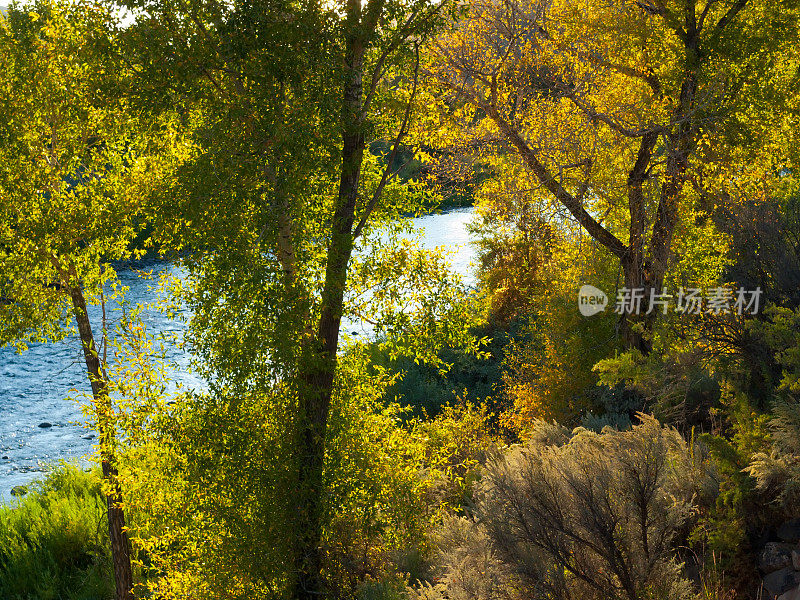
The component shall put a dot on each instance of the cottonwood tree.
(284, 98)
(623, 113)
(73, 167)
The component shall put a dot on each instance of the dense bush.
(426, 389)
(778, 471)
(586, 515)
(54, 541)
(213, 515)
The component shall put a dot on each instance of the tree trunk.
(318, 368)
(120, 544)
(635, 328)
(648, 272)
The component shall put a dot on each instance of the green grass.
(54, 540)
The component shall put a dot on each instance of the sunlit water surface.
(42, 386)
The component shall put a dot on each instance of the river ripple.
(36, 386)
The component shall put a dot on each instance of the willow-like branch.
(387, 172)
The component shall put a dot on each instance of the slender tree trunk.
(318, 368)
(120, 544)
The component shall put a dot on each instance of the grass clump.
(53, 541)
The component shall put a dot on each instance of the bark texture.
(318, 368)
(120, 544)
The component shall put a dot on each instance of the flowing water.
(41, 420)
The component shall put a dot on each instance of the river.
(41, 420)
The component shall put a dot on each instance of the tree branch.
(701, 21)
(729, 16)
(400, 135)
(570, 202)
(621, 129)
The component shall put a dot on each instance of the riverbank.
(41, 390)
(35, 386)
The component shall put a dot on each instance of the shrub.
(427, 388)
(212, 490)
(593, 516)
(778, 472)
(53, 542)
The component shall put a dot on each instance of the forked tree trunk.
(647, 271)
(644, 264)
(120, 544)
